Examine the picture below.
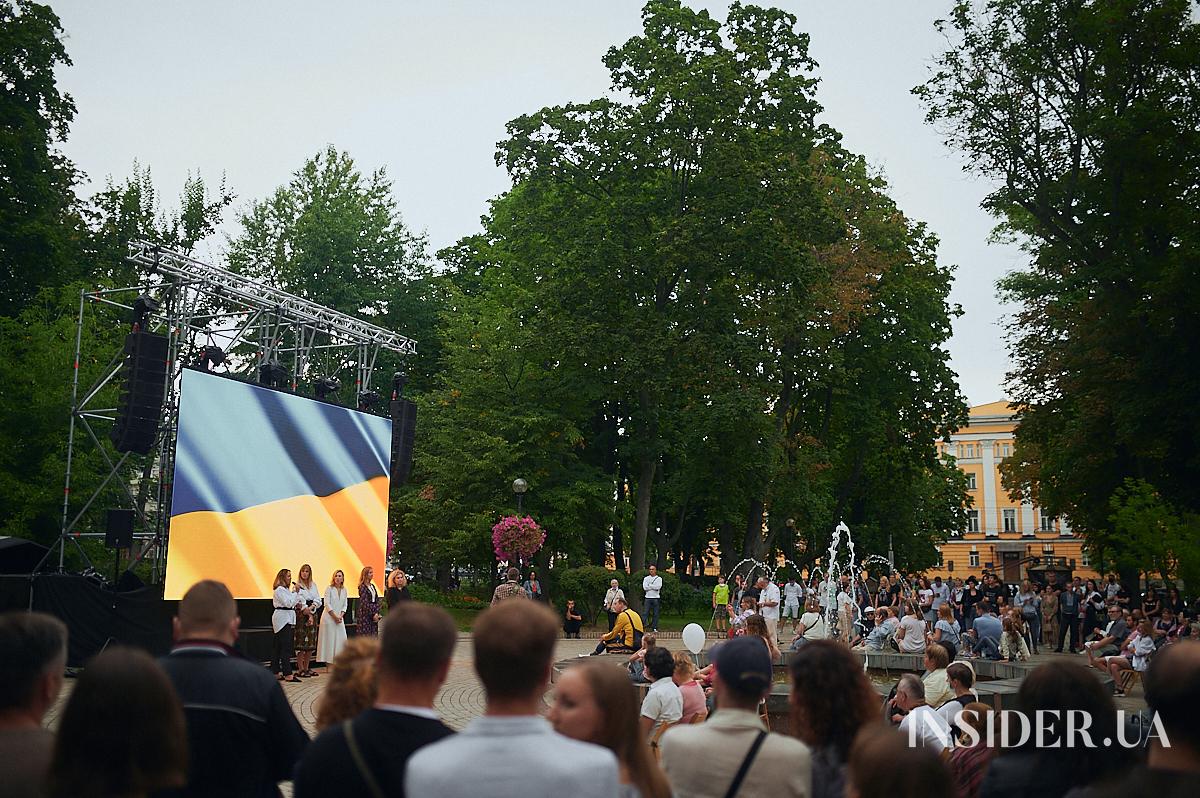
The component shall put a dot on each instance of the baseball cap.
(744, 664)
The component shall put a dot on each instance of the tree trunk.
(641, 524)
(618, 535)
(753, 539)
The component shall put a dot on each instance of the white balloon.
(693, 637)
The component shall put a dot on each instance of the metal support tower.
(200, 304)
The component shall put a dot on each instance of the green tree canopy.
(1087, 118)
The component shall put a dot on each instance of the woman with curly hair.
(595, 702)
(831, 701)
(352, 685)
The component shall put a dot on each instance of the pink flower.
(515, 537)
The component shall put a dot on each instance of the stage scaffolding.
(199, 305)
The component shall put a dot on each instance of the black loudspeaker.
(118, 533)
(404, 430)
(140, 405)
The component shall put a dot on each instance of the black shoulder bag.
(746, 763)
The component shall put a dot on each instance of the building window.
(1047, 523)
(1010, 520)
(1006, 450)
(1048, 549)
(973, 560)
(1085, 559)
(941, 560)
(972, 520)
(971, 482)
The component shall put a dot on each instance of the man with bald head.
(243, 738)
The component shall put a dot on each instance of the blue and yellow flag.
(266, 480)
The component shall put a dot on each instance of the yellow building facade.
(1003, 535)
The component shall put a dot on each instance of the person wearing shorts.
(792, 593)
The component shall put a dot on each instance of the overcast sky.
(252, 89)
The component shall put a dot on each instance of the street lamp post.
(520, 487)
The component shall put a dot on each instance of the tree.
(1149, 535)
(1087, 118)
(38, 220)
(694, 315)
(334, 235)
(39, 345)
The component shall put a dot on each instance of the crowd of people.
(204, 720)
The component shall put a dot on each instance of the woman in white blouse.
(306, 620)
(333, 627)
(283, 623)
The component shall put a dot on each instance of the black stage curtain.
(97, 617)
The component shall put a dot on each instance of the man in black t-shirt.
(994, 591)
(414, 659)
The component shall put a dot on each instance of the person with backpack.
(626, 635)
(1068, 619)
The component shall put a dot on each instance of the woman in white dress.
(333, 626)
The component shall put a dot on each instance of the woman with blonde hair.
(595, 702)
(306, 620)
(333, 620)
(368, 604)
(353, 683)
(285, 600)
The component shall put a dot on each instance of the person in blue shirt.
(983, 638)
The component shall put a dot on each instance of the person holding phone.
(285, 599)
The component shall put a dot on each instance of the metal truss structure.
(198, 305)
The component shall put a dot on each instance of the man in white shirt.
(652, 587)
(921, 724)
(793, 595)
(941, 593)
(768, 605)
(663, 704)
(512, 750)
(702, 760)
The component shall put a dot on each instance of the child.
(1012, 645)
(737, 622)
(720, 603)
(636, 663)
(663, 704)
(695, 708)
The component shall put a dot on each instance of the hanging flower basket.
(517, 538)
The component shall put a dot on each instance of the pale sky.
(252, 89)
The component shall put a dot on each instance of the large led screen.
(265, 480)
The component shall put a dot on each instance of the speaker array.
(404, 430)
(140, 405)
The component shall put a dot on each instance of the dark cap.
(744, 663)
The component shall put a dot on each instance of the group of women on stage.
(298, 605)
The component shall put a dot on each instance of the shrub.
(587, 586)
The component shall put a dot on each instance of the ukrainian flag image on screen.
(266, 480)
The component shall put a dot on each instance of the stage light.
(273, 374)
(143, 306)
(210, 356)
(368, 399)
(326, 386)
